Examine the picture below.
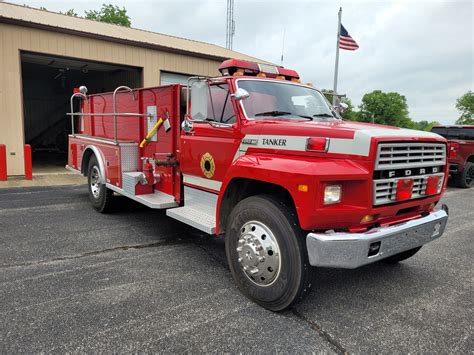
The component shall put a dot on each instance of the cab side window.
(220, 107)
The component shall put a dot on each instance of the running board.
(157, 200)
(197, 219)
(199, 210)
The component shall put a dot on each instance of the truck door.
(209, 147)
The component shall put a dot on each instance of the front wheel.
(266, 252)
(99, 195)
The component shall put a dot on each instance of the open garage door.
(48, 83)
(167, 78)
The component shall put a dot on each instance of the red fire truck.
(266, 161)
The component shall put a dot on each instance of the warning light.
(317, 144)
(433, 185)
(404, 189)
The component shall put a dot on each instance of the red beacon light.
(237, 67)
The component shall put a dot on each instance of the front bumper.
(351, 250)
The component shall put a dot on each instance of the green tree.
(465, 104)
(388, 108)
(349, 114)
(69, 12)
(425, 125)
(111, 14)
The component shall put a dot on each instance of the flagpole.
(336, 68)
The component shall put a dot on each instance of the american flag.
(345, 40)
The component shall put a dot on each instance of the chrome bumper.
(351, 250)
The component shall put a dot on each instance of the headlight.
(332, 194)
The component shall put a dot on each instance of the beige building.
(44, 55)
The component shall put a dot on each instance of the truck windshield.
(270, 99)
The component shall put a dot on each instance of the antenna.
(230, 24)
(283, 46)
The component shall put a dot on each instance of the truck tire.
(401, 256)
(466, 178)
(99, 195)
(266, 252)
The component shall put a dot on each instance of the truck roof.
(454, 126)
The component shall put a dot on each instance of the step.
(201, 219)
(157, 200)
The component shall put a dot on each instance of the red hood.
(330, 129)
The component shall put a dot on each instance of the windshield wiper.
(323, 115)
(281, 113)
(303, 116)
(273, 113)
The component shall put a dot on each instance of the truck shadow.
(364, 285)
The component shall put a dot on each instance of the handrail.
(108, 114)
(123, 87)
(114, 114)
(76, 94)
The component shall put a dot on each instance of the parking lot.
(135, 280)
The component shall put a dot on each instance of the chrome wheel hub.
(258, 253)
(95, 182)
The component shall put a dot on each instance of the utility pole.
(230, 24)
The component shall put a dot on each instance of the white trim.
(202, 182)
(359, 145)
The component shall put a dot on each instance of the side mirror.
(187, 126)
(240, 94)
(199, 96)
(342, 107)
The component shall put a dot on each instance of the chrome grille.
(409, 155)
(409, 160)
(385, 191)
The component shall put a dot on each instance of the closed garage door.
(172, 78)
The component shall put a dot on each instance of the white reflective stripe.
(202, 182)
(297, 143)
(359, 145)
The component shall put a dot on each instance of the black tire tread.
(281, 208)
(460, 179)
(103, 204)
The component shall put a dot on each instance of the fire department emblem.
(208, 166)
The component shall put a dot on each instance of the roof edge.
(40, 26)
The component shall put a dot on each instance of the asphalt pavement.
(73, 280)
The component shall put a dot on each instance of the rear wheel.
(401, 256)
(266, 252)
(466, 178)
(99, 195)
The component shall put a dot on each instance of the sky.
(422, 49)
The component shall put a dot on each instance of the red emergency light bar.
(236, 67)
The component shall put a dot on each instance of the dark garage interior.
(47, 84)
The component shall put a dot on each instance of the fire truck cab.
(266, 161)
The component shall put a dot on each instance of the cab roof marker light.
(270, 69)
(231, 66)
